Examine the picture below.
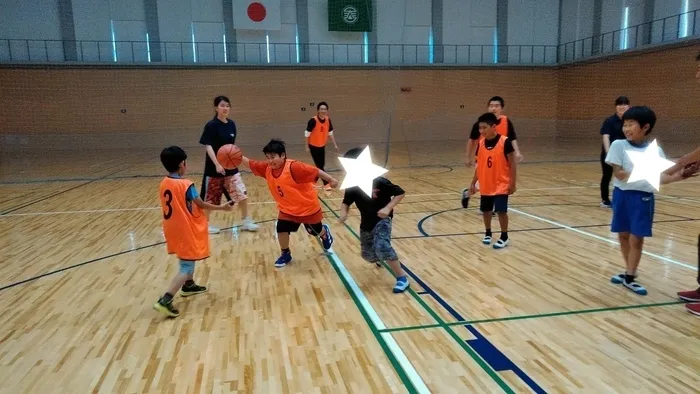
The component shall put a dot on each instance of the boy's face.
(275, 161)
(634, 132)
(182, 170)
(621, 109)
(495, 108)
(486, 130)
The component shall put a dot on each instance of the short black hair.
(622, 100)
(275, 146)
(497, 98)
(642, 115)
(353, 153)
(488, 118)
(320, 104)
(171, 157)
(219, 99)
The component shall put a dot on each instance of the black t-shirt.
(217, 134)
(613, 127)
(382, 192)
(475, 135)
(490, 144)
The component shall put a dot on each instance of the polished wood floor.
(83, 260)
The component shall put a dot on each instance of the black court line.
(24, 205)
(11, 285)
(426, 235)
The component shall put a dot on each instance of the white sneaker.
(249, 225)
(213, 230)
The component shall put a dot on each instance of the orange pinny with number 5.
(493, 171)
(184, 224)
(295, 199)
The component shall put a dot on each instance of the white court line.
(598, 237)
(254, 203)
(393, 346)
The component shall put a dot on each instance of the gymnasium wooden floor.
(84, 260)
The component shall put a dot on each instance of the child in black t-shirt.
(376, 214)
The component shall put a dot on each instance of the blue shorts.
(633, 212)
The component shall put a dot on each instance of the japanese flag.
(256, 14)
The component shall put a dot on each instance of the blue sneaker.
(328, 241)
(401, 284)
(283, 260)
(634, 285)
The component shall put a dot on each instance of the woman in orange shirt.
(318, 130)
(291, 184)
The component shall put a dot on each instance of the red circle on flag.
(256, 12)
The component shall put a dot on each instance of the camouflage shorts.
(376, 244)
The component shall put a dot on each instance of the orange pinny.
(293, 199)
(502, 126)
(319, 135)
(493, 171)
(184, 224)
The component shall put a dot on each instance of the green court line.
(534, 316)
(441, 323)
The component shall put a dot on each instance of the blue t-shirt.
(191, 194)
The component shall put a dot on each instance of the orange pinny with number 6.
(184, 224)
(493, 171)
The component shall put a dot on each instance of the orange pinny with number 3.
(493, 171)
(184, 224)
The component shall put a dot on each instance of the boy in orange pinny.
(291, 184)
(185, 227)
(496, 175)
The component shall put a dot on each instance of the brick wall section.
(82, 107)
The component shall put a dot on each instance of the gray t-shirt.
(617, 155)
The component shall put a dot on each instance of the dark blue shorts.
(633, 212)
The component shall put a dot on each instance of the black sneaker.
(166, 308)
(187, 291)
(606, 204)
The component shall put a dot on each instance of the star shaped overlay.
(648, 165)
(361, 172)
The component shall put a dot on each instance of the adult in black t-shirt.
(611, 131)
(218, 132)
(376, 215)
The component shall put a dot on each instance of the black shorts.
(286, 226)
(498, 203)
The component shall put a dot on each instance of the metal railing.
(145, 52)
(159, 52)
(658, 31)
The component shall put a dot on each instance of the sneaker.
(213, 230)
(187, 291)
(486, 240)
(166, 309)
(249, 225)
(500, 244)
(283, 260)
(693, 308)
(690, 296)
(619, 279)
(328, 240)
(606, 204)
(401, 285)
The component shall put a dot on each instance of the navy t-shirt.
(613, 127)
(217, 134)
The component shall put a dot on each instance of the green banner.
(350, 15)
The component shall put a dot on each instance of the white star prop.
(361, 172)
(648, 165)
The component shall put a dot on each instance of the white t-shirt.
(616, 155)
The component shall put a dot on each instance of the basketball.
(229, 156)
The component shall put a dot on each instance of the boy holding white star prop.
(638, 167)
(375, 197)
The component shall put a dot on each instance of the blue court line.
(494, 357)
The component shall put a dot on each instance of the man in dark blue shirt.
(611, 131)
